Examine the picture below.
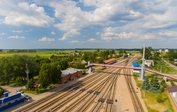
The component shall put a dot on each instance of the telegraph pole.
(142, 66)
(27, 73)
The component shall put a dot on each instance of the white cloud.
(46, 40)
(168, 33)
(22, 13)
(2, 34)
(111, 33)
(91, 40)
(75, 41)
(53, 33)
(16, 37)
(17, 31)
(73, 18)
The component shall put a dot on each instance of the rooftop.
(135, 64)
(109, 60)
(69, 71)
(172, 89)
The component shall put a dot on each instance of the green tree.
(30, 84)
(6, 70)
(171, 55)
(154, 84)
(163, 85)
(13, 69)
(49, 74)
(148, 52)
(146, 85)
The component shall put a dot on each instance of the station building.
(70, 74)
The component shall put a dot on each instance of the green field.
(161, 66)
(150, 99)
(42, 54)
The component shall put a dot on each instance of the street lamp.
(27, 73)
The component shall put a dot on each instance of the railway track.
(65, 97)
(69, 88)
(107, 98)
(135, 100)
(91, 100)
(88, 95)
(57, 103)
(90, 91)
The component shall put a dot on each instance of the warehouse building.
(110, 61)
(70, 74)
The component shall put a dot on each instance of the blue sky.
(28, 24)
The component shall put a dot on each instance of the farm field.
(38, 53)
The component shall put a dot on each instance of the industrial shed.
(70, 74)
(110, 61)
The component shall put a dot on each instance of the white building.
(149, 63)
(166, 50)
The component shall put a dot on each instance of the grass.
(150, 98)
(39, 90)
(153, 105)
(163, 67)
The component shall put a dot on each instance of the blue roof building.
(136, 64)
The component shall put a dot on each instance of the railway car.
(10, 101)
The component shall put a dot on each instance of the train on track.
(10, 101)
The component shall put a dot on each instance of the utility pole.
(27, 73)
(142, 66)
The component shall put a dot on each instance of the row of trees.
(48, 71)
(99, 55)
(171, 55)
(151, 54)
(13, 69)
(154, 84)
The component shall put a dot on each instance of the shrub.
(160, 99)
(1, 91)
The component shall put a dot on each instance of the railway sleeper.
(102, 100)
(76, 88)
(90, 91)
(109, 101)
(96, 92)
(83, 89)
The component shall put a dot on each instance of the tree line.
(13, 70)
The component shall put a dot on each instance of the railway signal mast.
(142, 66)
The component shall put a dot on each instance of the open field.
(48, 53)
(42, 54)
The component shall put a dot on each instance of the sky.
(37, 24)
